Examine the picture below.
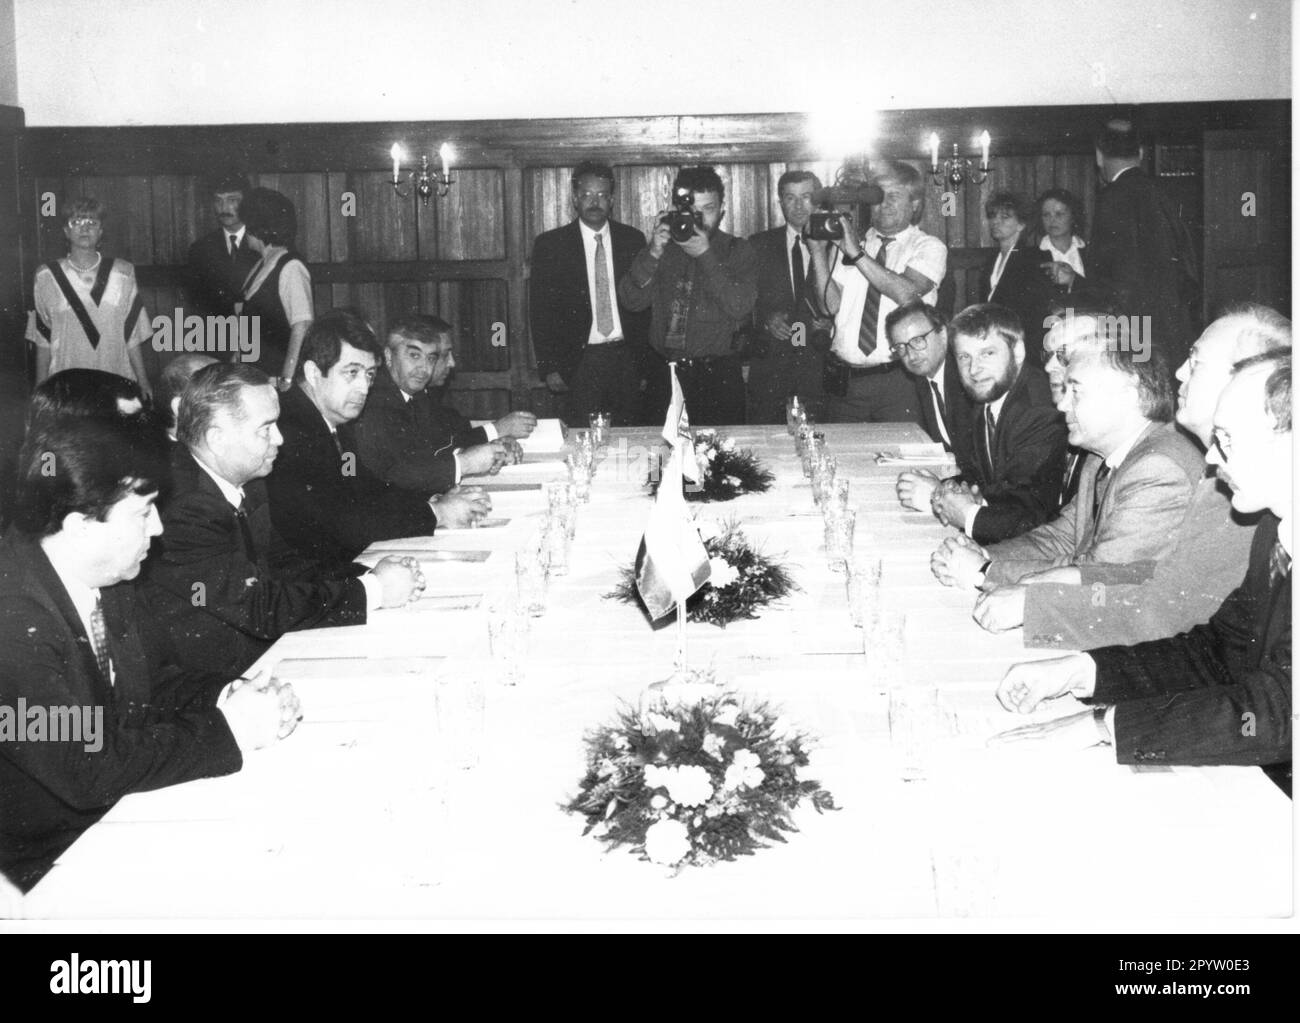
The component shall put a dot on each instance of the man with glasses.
(1011, 451)
(590, 346)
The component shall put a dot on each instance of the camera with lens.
(827, 225)
(684, 217)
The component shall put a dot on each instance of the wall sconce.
(424, 181)
(957, 169)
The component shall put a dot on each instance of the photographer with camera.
(894, 263)
(700, 284)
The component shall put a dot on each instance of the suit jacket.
(958, 409)
(1141, 260)
(1024, 289)
(1028, 456)
(1142, 504)
(1217, 694)
(213, 282)
(160, 725)
(327, 505)
(410, 444)
(223, 604)
(559, 297)
(1148, 600)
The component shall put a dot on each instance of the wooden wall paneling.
(470, 218)
(509, 310)
(309, 195)
(384, 228)
(549, 200)
(50, 240)
(399, 298)
(748, 190)
(338, 185)
(1078, 174)
(642, 191)
(128, 218)
(170, 217)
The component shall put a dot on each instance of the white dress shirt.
(912, 248)
(595, 337)
(1071, 255)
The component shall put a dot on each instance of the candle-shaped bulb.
(984, 150)
(445, 153)
(934, 151)
(396, 154)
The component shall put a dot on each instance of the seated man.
(1221, 692)
(322, 502)
(1013, 450)
(407, 437)
(1101, 605)
(918, 338)
(114, 715)
(223, 583)
(171, 386)
(1135, 485)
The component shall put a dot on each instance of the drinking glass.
(840, 493)
(532, 567)
(794, 414)
(884, 643)
(839, 537)
(579, 477)
(559, 539)
(816, 444)
(459, 710)
(863, 583)
(508, 640)
(599, 422)
(823, 477)
(915, 725)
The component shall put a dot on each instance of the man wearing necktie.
(219, 262)
(1221, 692)
(783, 360)
(590, 346)
(73, 644)
(223, 582)
(860, 283)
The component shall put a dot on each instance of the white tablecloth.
(351, 818)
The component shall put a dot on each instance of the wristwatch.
(855, 260)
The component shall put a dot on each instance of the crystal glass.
(840, 493)
(862, 581)
(839, 537)
(600, 423)
(794, 414)
(823, 477)
(803, 436)
(459, 711)
(884, 643)
(579, 477)
(559, 539)
(532, 569)
(915, 725)
(508, 640)
(816, 444)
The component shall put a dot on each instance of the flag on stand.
(672, 563)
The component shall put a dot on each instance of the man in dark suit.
(588, 343)
(219, 262)
(1220, 693)
(1140, 258)
(223, 584)
(1013, 453)
(407, 436)
(324, 503)
(782, 361)
(115, 715)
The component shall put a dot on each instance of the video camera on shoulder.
(684, 217)
(828, 225)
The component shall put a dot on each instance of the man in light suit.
(782, 360)
(590, 347)
(1012, 454)
(1086, 606)
(1221, 692)
(220, 261)
(222, 582)
(1135, 485)
(72, 652)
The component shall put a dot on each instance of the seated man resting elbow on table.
(323, 502)
(1221, 692)
(223, 583)
(1134, 488)
(1011, 448)
(90, 709)
(407, 436)
(1110, 605)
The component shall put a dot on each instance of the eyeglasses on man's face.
(916, 344)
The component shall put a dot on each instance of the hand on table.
(915, 487)
(482, 459)
(950, 501)
(958, 561)
(1072, 732)
(259, 711)
(515, 425)
(460, 507)
(1029, 683)
(1000, 609)
(401, 580)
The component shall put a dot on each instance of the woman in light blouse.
(1060, 218)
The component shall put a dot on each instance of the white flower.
(690, 786)
(605, 768)
(721, 573)
(711, 454)
(658, 802)
(744, 772)
(656, 777)
(661, 723)
(729, 444)
(619, 741)
(727, 715)
(712, 745)
(733, 481)
(667, 842)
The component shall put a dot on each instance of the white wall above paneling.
(249, 61)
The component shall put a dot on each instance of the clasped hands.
(259, 710)
(401, 579)
(460, 507)
(949, 499)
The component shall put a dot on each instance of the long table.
(351, 817)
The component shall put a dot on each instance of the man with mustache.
(590, 344)
(220, 261)
(1219, 693)
(1078, 608)
(1011, 449)
(1135, 486)
(71, 639)
(407, 436)
(223, 583)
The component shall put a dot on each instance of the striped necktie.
(871, 311)
(99, 639)
(1279, 563)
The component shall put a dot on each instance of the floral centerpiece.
(741, 580)
(725, 473)
(695, 780)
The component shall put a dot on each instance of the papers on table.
(913, 454)
(547, 437)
